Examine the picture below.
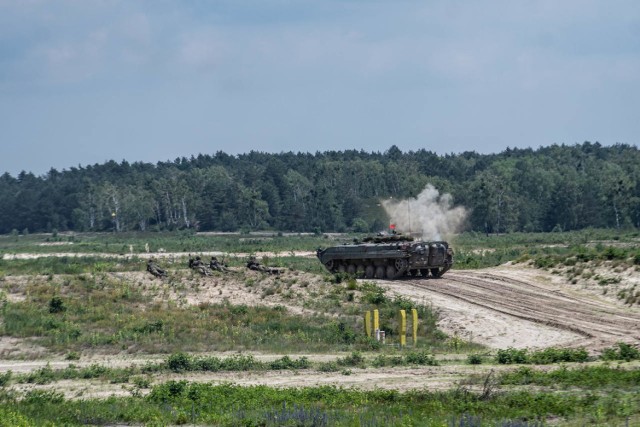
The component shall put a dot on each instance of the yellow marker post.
(414, 324)
(367, 323)
(376, 320)
(403, 328)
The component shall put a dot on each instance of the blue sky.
(86, 81)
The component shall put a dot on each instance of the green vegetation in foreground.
(184, 362)
(587, 377)
(541, 357)
(181, 402)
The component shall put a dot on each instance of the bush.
(541, 357)
(179, 362)
(56, 305)
(240, 363)
(420, 358)
(375, 297)
(611, 253)
(72, 355)
(328, 367)
(555, 355)
(354, 359)
(210, 364)
(512, 356)
(287, 363)
(623, 351)
(474, 359)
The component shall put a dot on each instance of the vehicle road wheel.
(329, 265)
(424, 272)
(380, 272)
(391, 272)
(401, 264)
(351, 269)
(342, 268)
(369, 271)
(360, 269)
(435, 272)
(412, 272)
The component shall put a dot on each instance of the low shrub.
(354, 359)
(179, 362)
(421, 358)
(512, 356)
(622, 351)
(474, 359)
(557, 355)
(541, 357)
(287, 363)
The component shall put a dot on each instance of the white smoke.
(430, 214)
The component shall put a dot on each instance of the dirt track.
(521, 307)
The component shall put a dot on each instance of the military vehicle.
(389, 257)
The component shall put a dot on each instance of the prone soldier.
(154, 269)
(214, 264)
(199, 266)
(253, 264)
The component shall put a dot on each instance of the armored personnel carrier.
(389, 257)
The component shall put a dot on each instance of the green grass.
(587, 377)
(541, 357)
(179, 241)
(546, 250)
(181, 402)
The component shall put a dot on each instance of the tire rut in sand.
(595, 322)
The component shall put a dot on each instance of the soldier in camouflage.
(154, 269)
(253, 264)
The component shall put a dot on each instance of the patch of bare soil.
(522, 307)
(11, 347)
(239, 286)
(401, 378)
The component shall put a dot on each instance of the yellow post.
(376, 320)
(403, 328)
(367, 323)
(414, 324)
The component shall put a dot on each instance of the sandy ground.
(508, 306)
(521, 307)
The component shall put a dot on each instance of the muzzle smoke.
(430, 214)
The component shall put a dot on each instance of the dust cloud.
(430, 215)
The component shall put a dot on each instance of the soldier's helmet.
(214, 258)
(198, 258)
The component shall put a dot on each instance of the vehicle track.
(522, 299)
(596, 322)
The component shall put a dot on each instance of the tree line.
(559, 187)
